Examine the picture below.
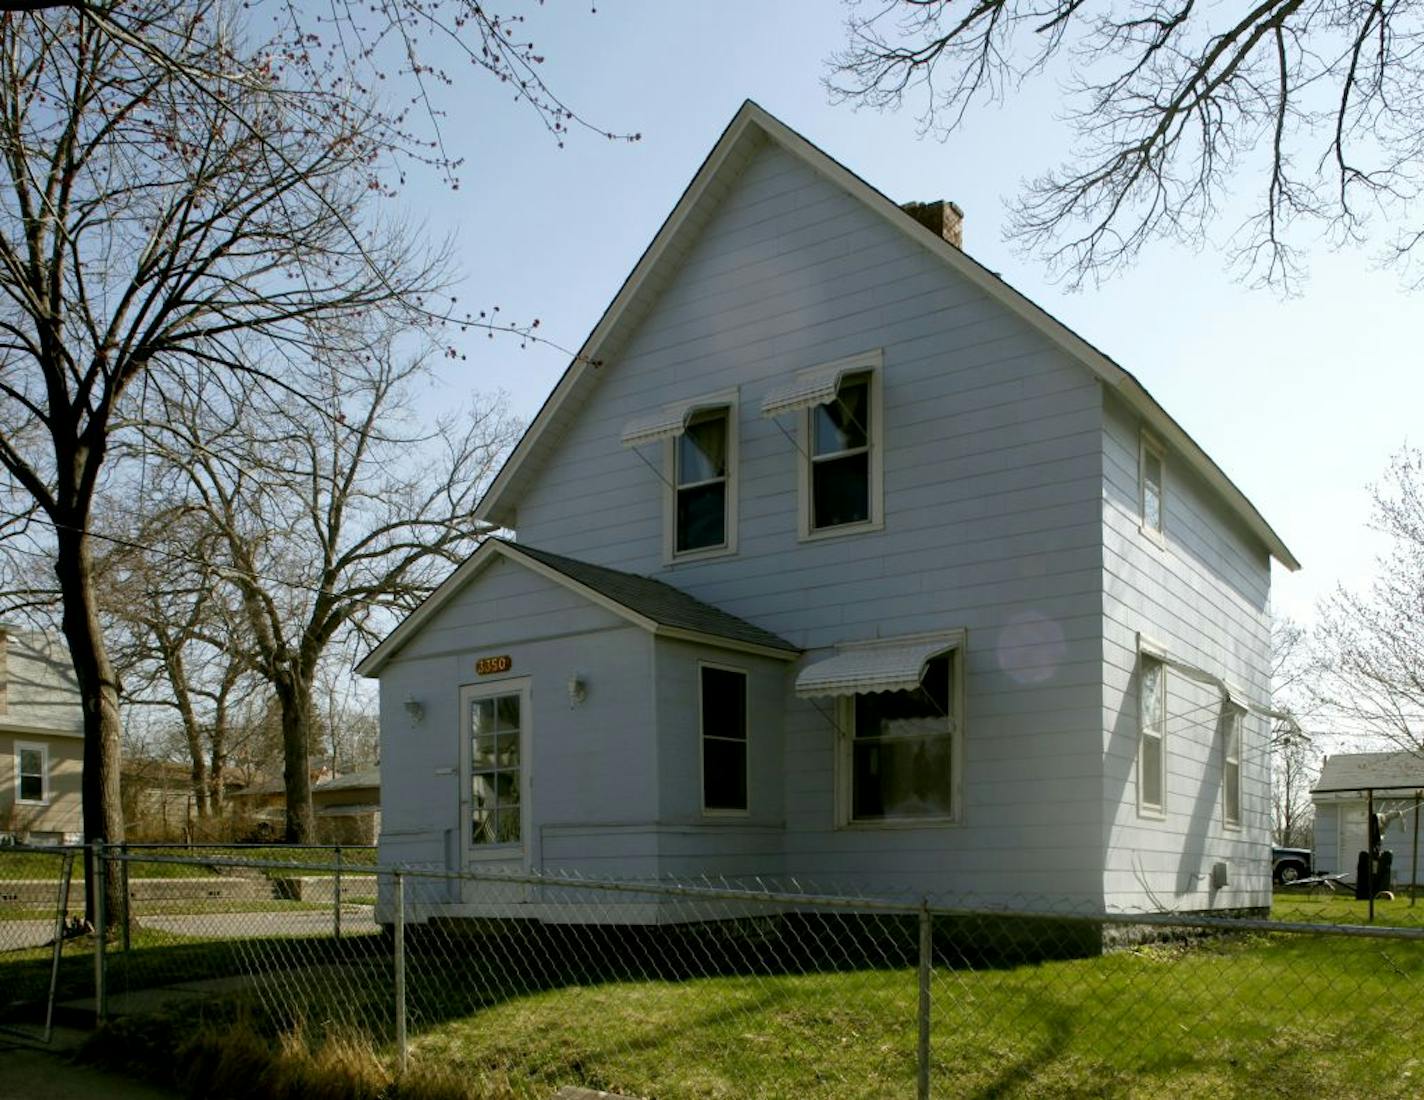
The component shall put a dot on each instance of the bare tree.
(1295, 756)
(146, 229)
(1313, 104)
(328, 513)
(1370, 672)
(167, 621)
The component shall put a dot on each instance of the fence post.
(400, 968)
(101, 934)
(926, 961)
(336, 895)
(124, 878)
(61, 916)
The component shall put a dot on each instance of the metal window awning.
(809, 389)
(872, 667)
(667, 422)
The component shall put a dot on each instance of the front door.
(495, 783)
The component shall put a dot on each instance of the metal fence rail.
(526, 982)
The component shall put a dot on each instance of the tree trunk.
(295, 698)
(99, 698)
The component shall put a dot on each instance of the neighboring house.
(347, 807)
(838, 559)
(41, 740)
(1341, 799)
(158, 797)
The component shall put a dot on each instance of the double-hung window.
(1152, 743)
(901, 764)
(841, 444)
(701, 472)
(1150, 477)
(723, 699)
(31, 773)
(1231, 768)
(698, 437)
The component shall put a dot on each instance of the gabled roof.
(658, 608)
(1362, 771)
(748, 131)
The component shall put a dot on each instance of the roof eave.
(495, 507)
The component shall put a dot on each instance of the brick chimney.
(941, 217)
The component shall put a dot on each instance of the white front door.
(495, 779)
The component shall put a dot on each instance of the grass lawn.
(43, 865)
(1340, 907)
(1247, 1016)
(519, 1013)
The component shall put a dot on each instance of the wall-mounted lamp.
(414, 709)
(578, 689)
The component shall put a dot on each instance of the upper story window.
(700, 476)
(698, 471)
(1151, 749)
(840, 457)
(1150, 467)
(841, 444)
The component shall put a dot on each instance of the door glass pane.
(482, 827)
(495, 769)
(506, 829)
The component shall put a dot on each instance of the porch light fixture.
(578, 689)
(414, 709)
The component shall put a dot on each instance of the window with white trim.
(1150, 466)
(901, 749)
(702, 471)
(1231, 768)
(31, 773)
(842, 464)
(723, 701)
(1152, 743)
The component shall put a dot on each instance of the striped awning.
(874, 666)
(667, 422)
(810, 388)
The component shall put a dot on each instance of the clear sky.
(1300, 401)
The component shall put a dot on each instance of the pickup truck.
(1290, 864)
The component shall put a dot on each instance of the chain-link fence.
(521, 984)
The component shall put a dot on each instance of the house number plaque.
(488, 666)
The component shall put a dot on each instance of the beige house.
(41, 740)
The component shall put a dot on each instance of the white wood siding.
(993, 470)
(1204, 596)
(594, 766)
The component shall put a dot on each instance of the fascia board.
(682, 634)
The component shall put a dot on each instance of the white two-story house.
(834, 557)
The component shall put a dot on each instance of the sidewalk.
(29, 1071)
